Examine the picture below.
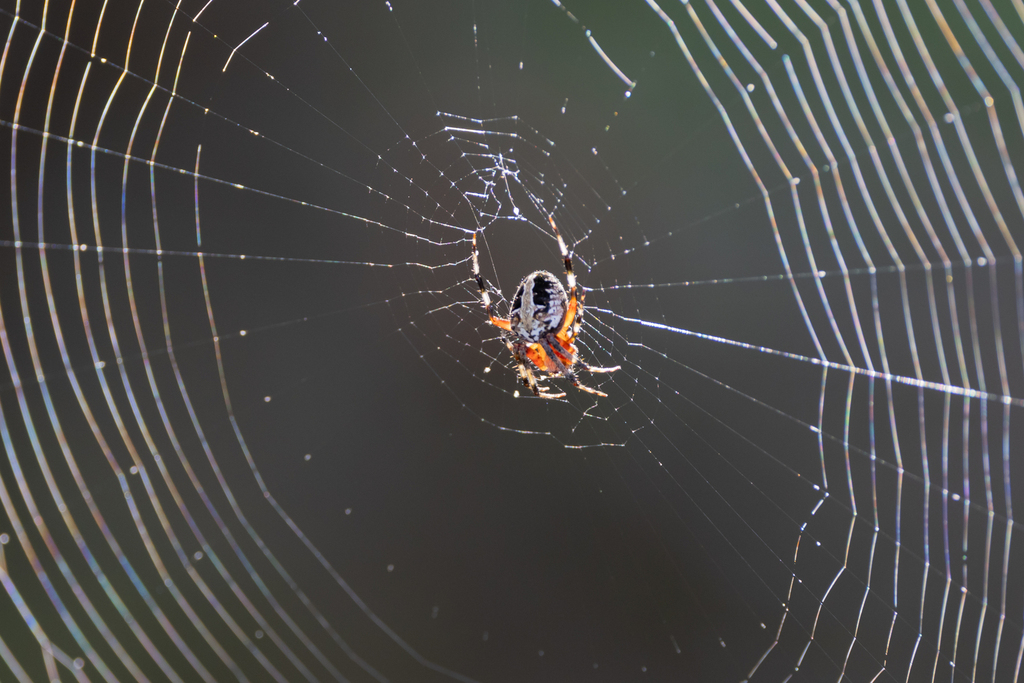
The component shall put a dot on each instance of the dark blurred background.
(268, 366)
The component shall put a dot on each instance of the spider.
(542, 324)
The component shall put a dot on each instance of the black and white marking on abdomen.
(539, 306)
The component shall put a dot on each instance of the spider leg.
(574, 312)
(567, 372)
(500, 323)
(546, 394)
(526, 375)
(591, 368)
(570, 277)
(583, 387)
(575, 300)
(577, 323)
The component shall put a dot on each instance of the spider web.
(255, 425)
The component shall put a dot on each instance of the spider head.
(539, 306)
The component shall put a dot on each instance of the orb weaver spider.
(542, 324)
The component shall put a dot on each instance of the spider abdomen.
(539, 306)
